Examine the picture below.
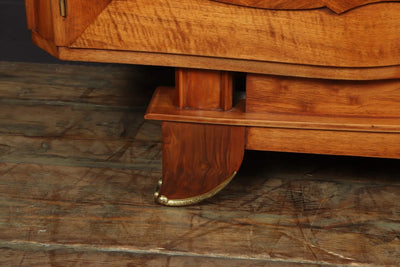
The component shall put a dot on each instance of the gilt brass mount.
(161, 199)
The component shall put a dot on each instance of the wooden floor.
(78, 167)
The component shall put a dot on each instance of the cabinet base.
(202, 148)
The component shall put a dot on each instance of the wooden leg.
(198, 161)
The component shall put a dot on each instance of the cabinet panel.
(317, 97)
(363, 37)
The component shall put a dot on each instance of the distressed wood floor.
(78, 166)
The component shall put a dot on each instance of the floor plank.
(320, 221)
(73, 256)
(142, 150)
(107, 84)
(77, 178)
(31, 119)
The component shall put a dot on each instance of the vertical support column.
(203, 89)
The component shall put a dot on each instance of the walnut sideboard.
(303, 76)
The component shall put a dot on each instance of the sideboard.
(295, 76)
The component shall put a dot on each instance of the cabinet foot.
(199, 160)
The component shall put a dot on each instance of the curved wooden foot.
(199, 160)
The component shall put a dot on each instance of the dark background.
(15, 39)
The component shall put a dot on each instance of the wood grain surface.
(304, 214)
(241, 39)
(43, 17)
(100, 112)
(197, 158)
(288, 95)
(350, 143)
(61, 256)
(338, 6)
(162, 108)
(227, 64)
(364, 37)
(79, 15)
(203, 89)
(281, 210)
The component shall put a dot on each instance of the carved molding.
(337, 6)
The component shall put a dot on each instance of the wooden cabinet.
(321, 76)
